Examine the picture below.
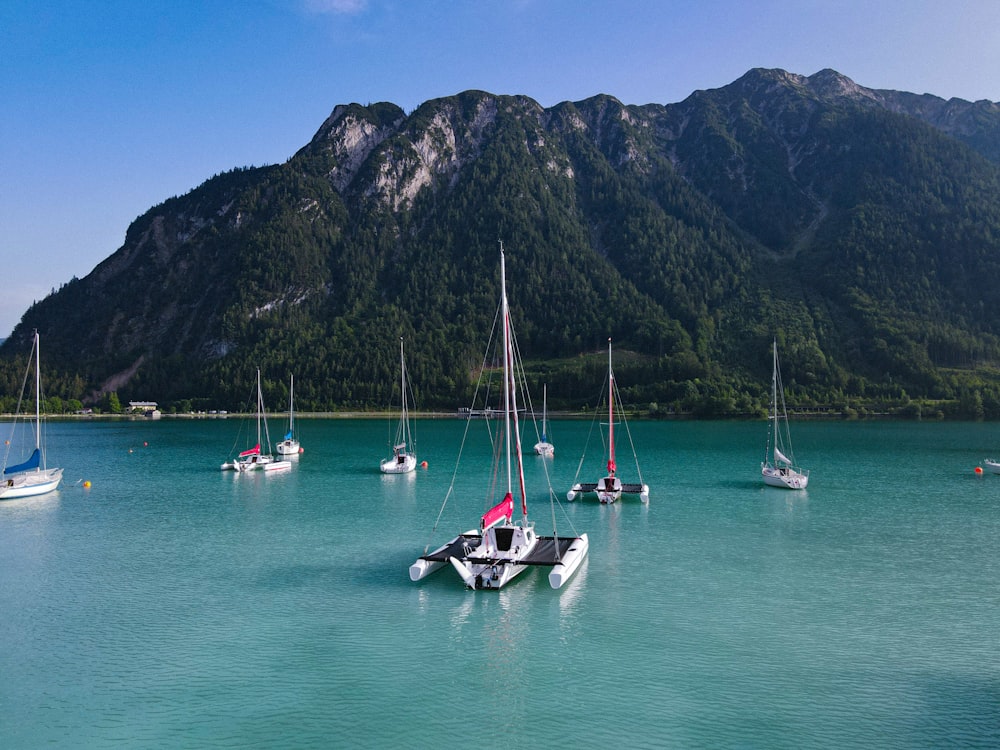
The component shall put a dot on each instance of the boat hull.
(395, 466)
(992, 466)
(545, 449)
(289, 448)
(785, 479)
(30, 484)
(576, 554)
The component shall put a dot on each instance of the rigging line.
(590, 434)
(465, 435)
(628, 432)
(20, 401)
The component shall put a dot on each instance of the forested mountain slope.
(859, 227)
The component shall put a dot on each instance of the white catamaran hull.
(576, 554)
(30, 483)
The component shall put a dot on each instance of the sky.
(110, 107)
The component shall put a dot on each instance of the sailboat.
(30, 477)
(543, 447)
(500, 549)
(289, 446)
(610, 487)
(778, 467)
(254, 458)
(404, 458)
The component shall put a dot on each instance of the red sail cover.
(253, 451)
(503, 509)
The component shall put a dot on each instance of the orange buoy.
(979, 469)
(423, 464)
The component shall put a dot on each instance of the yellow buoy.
(87, 484)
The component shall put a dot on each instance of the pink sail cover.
(253, 451)
(503, 509)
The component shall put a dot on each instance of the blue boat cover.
(288, 435)
(32, 463)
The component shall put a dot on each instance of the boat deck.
(627, 487)
(549, 550)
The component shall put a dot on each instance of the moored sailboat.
(778, 467)
(256, 458)
(29, 477)
(404, 457)
(543, 447)
(501, 548)
(289, 445)
(610, 487)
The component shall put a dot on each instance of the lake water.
(171, 605)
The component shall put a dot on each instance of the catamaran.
(543, 447)
(289, 446)
(778, 467)
(500, 549)
(254, 458)
(30, 477)
(610, 487)
(404, 457)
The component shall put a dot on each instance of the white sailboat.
(492, 555)
(543, 447)
(778, 467)
(610, 487)
(255, 458)
(289, 446)
(30, 477)
(404, 457)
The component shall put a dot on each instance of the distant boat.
(992, 466)
(404, 457)
(30, 477)
(490, 557)
(254, 458)
(610, 487)
(290, 445)
(543, 447)
(778, 467)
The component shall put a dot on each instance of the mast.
(402, 380)
(611, 413)
(545, 408)
(774, 401)
(291, 404)
(510, 399)
(38, 394)
(260, 399)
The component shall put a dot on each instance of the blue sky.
(110, 107)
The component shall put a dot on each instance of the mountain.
(860, 227)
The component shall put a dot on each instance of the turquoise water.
(173, 605)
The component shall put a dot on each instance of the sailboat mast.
(611, 413)
(260, 401)
(510, 399)
(38, 394)
(402, 376)
(545, 408)
(291, 403)
(774, 393)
